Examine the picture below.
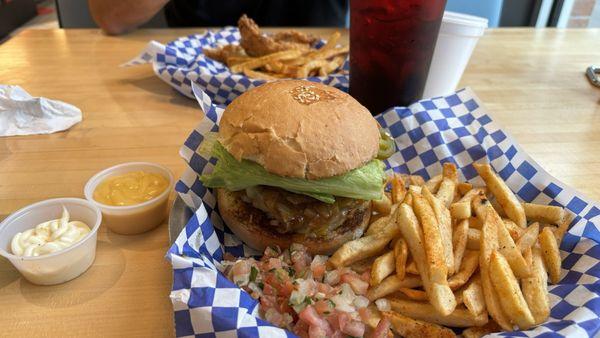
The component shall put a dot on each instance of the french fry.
(440, 295)
(550, 254)
(263, 60)
(416, 180)
(544, 213)
(412, 294)
(460, 210)
(414, 189)
(255, 74)
(473, 239)
(398, 189)
(527, 255)
(408, 200)
(448, 185)
(488, 244)
(460, 317)
(459, 242)
(507, 246)
(383, 266)
(411, 267)
(234, 60)
(511, 298)
(382, 206)
(331, 41)
(473, 297)
(411, 328)
(469, 265)
(475, 223)
(480, 331)
(306, 69)
(463, 188)
(381, 223)
(392, 284)
(434, 249)
(562, 228)
(469, 195)
(434, 183)
(442, 214)
(509, 202)
(363, 265)
(373, 316)
(361, 248)
(535, 289)
(515, 231)
(529, 237)
(498, 208)
(400, 257)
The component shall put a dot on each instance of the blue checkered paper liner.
(182, 62)
(455, 128)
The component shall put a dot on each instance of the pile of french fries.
(449, 254)
(292, 63)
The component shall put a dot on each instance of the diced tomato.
(300, 260)
(301, 329)
(273, 263)
(318, 271)
(366, 276)
(323, 307)
(268, 302)
(269, 290)
(354, 328)
(358, 285)
(382, 329)
(315, 331)
(317, 325)
(364, 313)
(241, 267)
(338, 334)
(324, 288)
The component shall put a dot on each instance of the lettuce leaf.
(364, 183)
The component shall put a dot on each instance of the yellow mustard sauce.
(131, 188)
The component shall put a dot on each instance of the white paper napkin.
(23, 114)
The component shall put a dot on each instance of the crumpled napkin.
(23, 114)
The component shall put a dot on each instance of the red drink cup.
(391, 45)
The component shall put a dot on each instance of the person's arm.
(119, 16)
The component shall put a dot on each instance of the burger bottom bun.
(252, 227)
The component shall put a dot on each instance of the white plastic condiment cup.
(459, 34)
(60, 266)
(137, 218)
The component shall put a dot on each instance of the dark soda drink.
(391, 45)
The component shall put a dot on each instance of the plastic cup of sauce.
(133, 197)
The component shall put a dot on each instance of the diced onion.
(361, 301)
(332, 277)
(383, 304)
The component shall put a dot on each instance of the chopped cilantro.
(331, 303)
(307, 300)
(261, 285)
(253, 273)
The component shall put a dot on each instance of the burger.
(296, 163)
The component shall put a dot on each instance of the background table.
(531, 81)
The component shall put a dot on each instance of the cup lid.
(463, 24)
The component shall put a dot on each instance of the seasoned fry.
(373, 316)
(529, 237)
(473, 238)
(412, 328)
(400, 257)
(473, 297)
(550, 254)
(498, 208)
(527, 255)
(413, 294)
(434, 183)
(460, 317)
(442, 214)
(382, 206)
(416, 180)
(468, 197)
(535, 289)
(562, 228)
(398, 189)
(263, 60)
(381, 223)
(463, 188)
(306, 69)
(255, 74)
(391, 285)
(469, 265)
(437, 269)
(411, 267)
(509, 202)
(511, 298)
(383, 266)
(475, 223)
(460, 210)
(448, 185)
(515, 231)
(331, 42)
(440, 294)
(544, 213)
(358, 249)
(363, 265)
(488, 244)
(480, 331)
(459, 242)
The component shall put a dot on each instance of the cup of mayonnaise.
(52, 241)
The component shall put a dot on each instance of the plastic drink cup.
(391, 45)
(459, 33)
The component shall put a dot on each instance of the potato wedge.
(473, 297)
(544, 213)
(509, 202)
(383, 266)
(535, 288)
(412, 328)
(515, 231)
(460, 317)
(434, 183)
(469, 265)
(511, 298)
(459, 242)
(550, 254)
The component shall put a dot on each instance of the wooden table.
(532, 81)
